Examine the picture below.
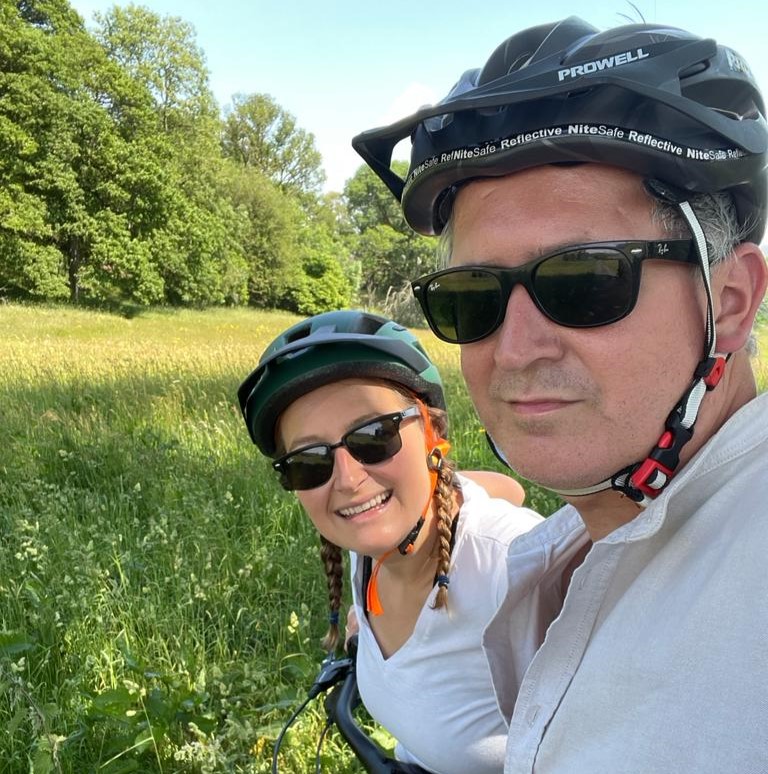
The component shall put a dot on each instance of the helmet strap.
(437, 448)
(645, 480)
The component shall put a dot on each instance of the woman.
(351, 409)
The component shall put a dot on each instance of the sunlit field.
(161, 598)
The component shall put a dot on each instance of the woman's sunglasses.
(579, 287)
(376, 440)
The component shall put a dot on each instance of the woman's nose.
(348, 473)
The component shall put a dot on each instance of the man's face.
(569, 407)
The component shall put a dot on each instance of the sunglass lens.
(375, 442)
(464, 306)
(584, 288)
(308, 469)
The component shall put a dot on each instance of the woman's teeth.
(372, 503)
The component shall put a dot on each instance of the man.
(584, 183)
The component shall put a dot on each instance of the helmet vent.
(579, 93)
(300, 333)
(367, 325)
(694, 69)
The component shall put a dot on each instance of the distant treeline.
(123, 182)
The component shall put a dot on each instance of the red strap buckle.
(715, 373)
(651, 477)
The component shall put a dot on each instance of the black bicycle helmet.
(327, 348)
(655, 100)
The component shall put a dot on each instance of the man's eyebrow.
(538, 252)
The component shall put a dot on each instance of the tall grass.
(161, 599)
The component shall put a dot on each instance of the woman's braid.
(334, 573)
(444, 505)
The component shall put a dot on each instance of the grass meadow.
(161, 598)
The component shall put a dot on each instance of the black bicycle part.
(338, 677)
(340, 704)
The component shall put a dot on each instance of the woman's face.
(364, 508)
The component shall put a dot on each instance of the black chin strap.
(435, 465)
(646, 479)
(405, 546)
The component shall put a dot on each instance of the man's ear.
(738, 285)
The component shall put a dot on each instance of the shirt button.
(532, 714)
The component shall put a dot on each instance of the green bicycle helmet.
(327, 348)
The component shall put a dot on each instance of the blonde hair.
(443, 500)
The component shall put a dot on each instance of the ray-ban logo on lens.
(626, 57)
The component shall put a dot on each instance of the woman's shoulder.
(497, 485)
(492, 518)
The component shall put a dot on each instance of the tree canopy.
(122, 181)
(390, 252)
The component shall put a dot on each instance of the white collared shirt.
(658, 661)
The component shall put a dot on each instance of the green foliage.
(329, 277)
(161, 54)
(259, 134)
(196, 246)
(296, 259)
(270, 239)
(121, 185)
(323, 287)
(112, 187)
(390, 253)
(46, 123)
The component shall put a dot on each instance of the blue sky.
(341, 67)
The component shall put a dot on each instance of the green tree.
(298, 258)
(161, 52)
(270, 238)
(64, 183)
(389, 251)
(258, 133)
(327, 281)
(197, 247)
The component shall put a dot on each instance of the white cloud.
(409, 100)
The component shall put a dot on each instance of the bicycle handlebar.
(339, 706)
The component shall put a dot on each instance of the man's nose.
(526, 334)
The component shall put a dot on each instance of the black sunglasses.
(376, 440)
(583, 286)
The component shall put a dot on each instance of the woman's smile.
(377, 502)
